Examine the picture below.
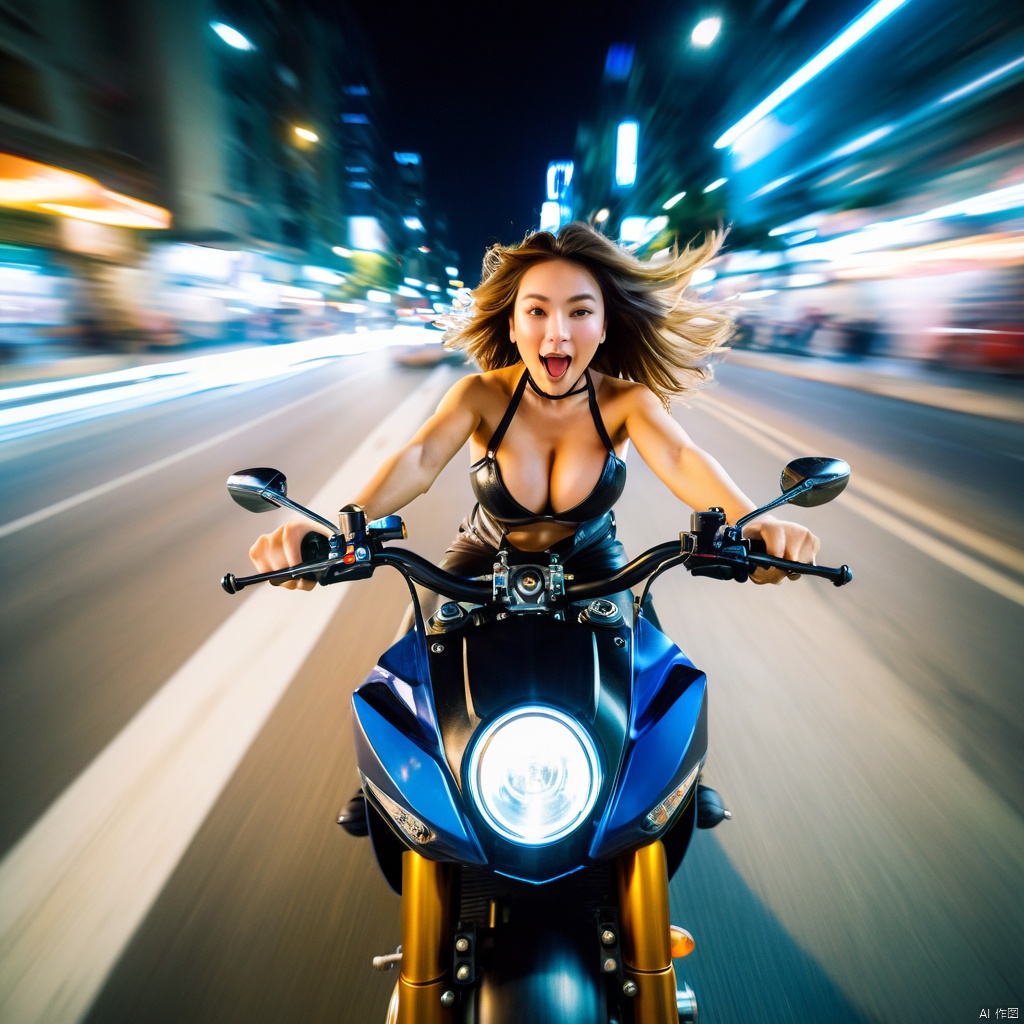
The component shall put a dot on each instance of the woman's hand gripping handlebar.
(711, 547)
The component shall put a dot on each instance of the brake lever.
(306, 571)
(728, 555)
(839, 576)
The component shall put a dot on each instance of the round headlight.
(534, 775)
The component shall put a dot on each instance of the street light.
(306, 134)
(706, 31)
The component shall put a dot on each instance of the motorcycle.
(530, 757)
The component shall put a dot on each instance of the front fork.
(645, 939)
(426, 941)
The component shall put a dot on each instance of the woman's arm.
(404, 476)
(698, 479)
(412, 470)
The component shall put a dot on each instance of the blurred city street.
(231, 235)
(173, 758)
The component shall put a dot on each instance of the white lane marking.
(896, 502)
(78, 884)
(66, 504)
(784, 446)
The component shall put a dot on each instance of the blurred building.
(868, 159)
(175, 170)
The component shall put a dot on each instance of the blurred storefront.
(178, 172)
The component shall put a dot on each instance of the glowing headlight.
(534, 775)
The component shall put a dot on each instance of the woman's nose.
(558, 327)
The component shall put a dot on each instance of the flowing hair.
(657, 335)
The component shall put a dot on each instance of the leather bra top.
(493, 495)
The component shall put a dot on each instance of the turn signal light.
(682, 942)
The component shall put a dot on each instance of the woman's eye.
(535, 311)
(582, 312)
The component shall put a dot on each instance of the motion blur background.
(226, 229)
(178, 174)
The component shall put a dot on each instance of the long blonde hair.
(657, 335)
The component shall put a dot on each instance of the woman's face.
(557, 323)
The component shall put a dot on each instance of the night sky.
(488, 94)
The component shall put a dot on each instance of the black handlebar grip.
(314, 547)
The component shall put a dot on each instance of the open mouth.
(556, 366)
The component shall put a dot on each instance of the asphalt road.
(172, 759)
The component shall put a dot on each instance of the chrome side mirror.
(806, 482)
(259, 490)
(816, 479)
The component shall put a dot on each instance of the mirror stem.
(279, 499)
(782, 499)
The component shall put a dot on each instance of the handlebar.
(720, 560)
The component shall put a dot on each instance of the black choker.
(574, 390)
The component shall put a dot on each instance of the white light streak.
(31, 408)
(772, 185)
(849, 37)
(231, 36)
(980, 83)
(863, 142)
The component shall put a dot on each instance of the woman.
(582, 347)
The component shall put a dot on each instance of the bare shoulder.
(472, 387)
(622, 398)
(492, 386)
(482, 393)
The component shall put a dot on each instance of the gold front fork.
(426, 896)
(645, 939)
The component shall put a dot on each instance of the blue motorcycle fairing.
(405, 668)
(654, 655)
(418, 714)
(667, 739)
(412, 775)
